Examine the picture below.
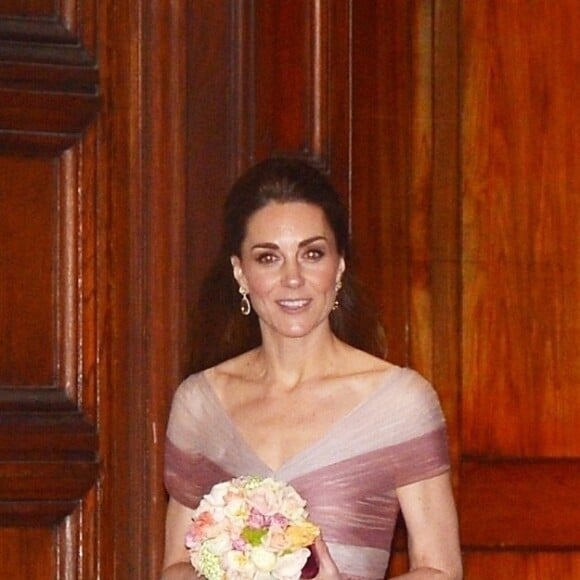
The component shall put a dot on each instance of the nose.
(292, 274)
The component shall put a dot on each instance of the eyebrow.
(271, 246)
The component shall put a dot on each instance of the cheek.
(327, 280)
(261, 284)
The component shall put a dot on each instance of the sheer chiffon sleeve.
(349, 477)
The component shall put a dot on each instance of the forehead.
(288, 218)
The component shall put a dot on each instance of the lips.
(295, 304)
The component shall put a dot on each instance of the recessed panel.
(27, 245)
(37, 561)
(20, 8)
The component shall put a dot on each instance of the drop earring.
(337, 288)
(245, 304)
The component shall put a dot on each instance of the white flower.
(262, 576)
(238, 564)
(219, 545)
(236, 508)
(289, 566)
(217, 494)
(264, 560)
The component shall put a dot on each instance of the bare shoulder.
(359, 373)
(354, 362)
(238, 370)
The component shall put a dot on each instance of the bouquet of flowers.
(251, 528)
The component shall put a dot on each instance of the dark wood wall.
(451, 127)
(92, 262)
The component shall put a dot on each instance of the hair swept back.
(221, 332)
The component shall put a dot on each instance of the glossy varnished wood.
(381, 139)
(521, 210)
(520, 287)
(520, 504)
(450, 127)
(510, 565)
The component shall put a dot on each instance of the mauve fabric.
(397, 436)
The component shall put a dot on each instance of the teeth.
(293, 303)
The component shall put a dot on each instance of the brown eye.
(314, 254)
(265, 258)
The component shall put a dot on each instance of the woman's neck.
(288, 362)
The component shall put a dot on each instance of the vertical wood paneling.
(521, 287)
(219, 129)
(283, 63)
(381, 145)
(28, 239)
(420, 188)
(164, 231)
(522, 265)
(444, 235)
(141, 142)
(370, 91)
(48, 310)
(17, 546)
(299, 82)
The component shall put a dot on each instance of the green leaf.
(253, 535)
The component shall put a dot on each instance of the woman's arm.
(433, 532)
(179, 571)
(176, 565)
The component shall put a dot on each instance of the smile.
(293, 304)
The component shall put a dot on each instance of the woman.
(310, 401)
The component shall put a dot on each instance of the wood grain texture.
(521, 276)
(16, 560)
(283, 86)
(520, 288)
(48, 77)
(381, 142)
(23, 8)
(27, 243)
(49, 460)
(510, 565)
(520, 505)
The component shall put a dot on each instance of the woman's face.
(289, 265)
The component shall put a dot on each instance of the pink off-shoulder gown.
(349, 477)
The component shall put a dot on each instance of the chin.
(299, 330)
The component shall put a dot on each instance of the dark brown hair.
(222, 331)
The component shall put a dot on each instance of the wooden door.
(92, 191)
(452, 129)
(50, 335)
(520, 272)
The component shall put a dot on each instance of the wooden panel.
(48, 440)
(520, 504)
(27, 7)
(507, 566)
(521, 288)
(212, 162)
(161, 279)
(381, 141)
(48, 77)
(27, 553)
(521, 215)
(269, 94)
(285, 37)
(27, 244)
(48, 435)
(297, 86)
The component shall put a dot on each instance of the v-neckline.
(215, 401)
